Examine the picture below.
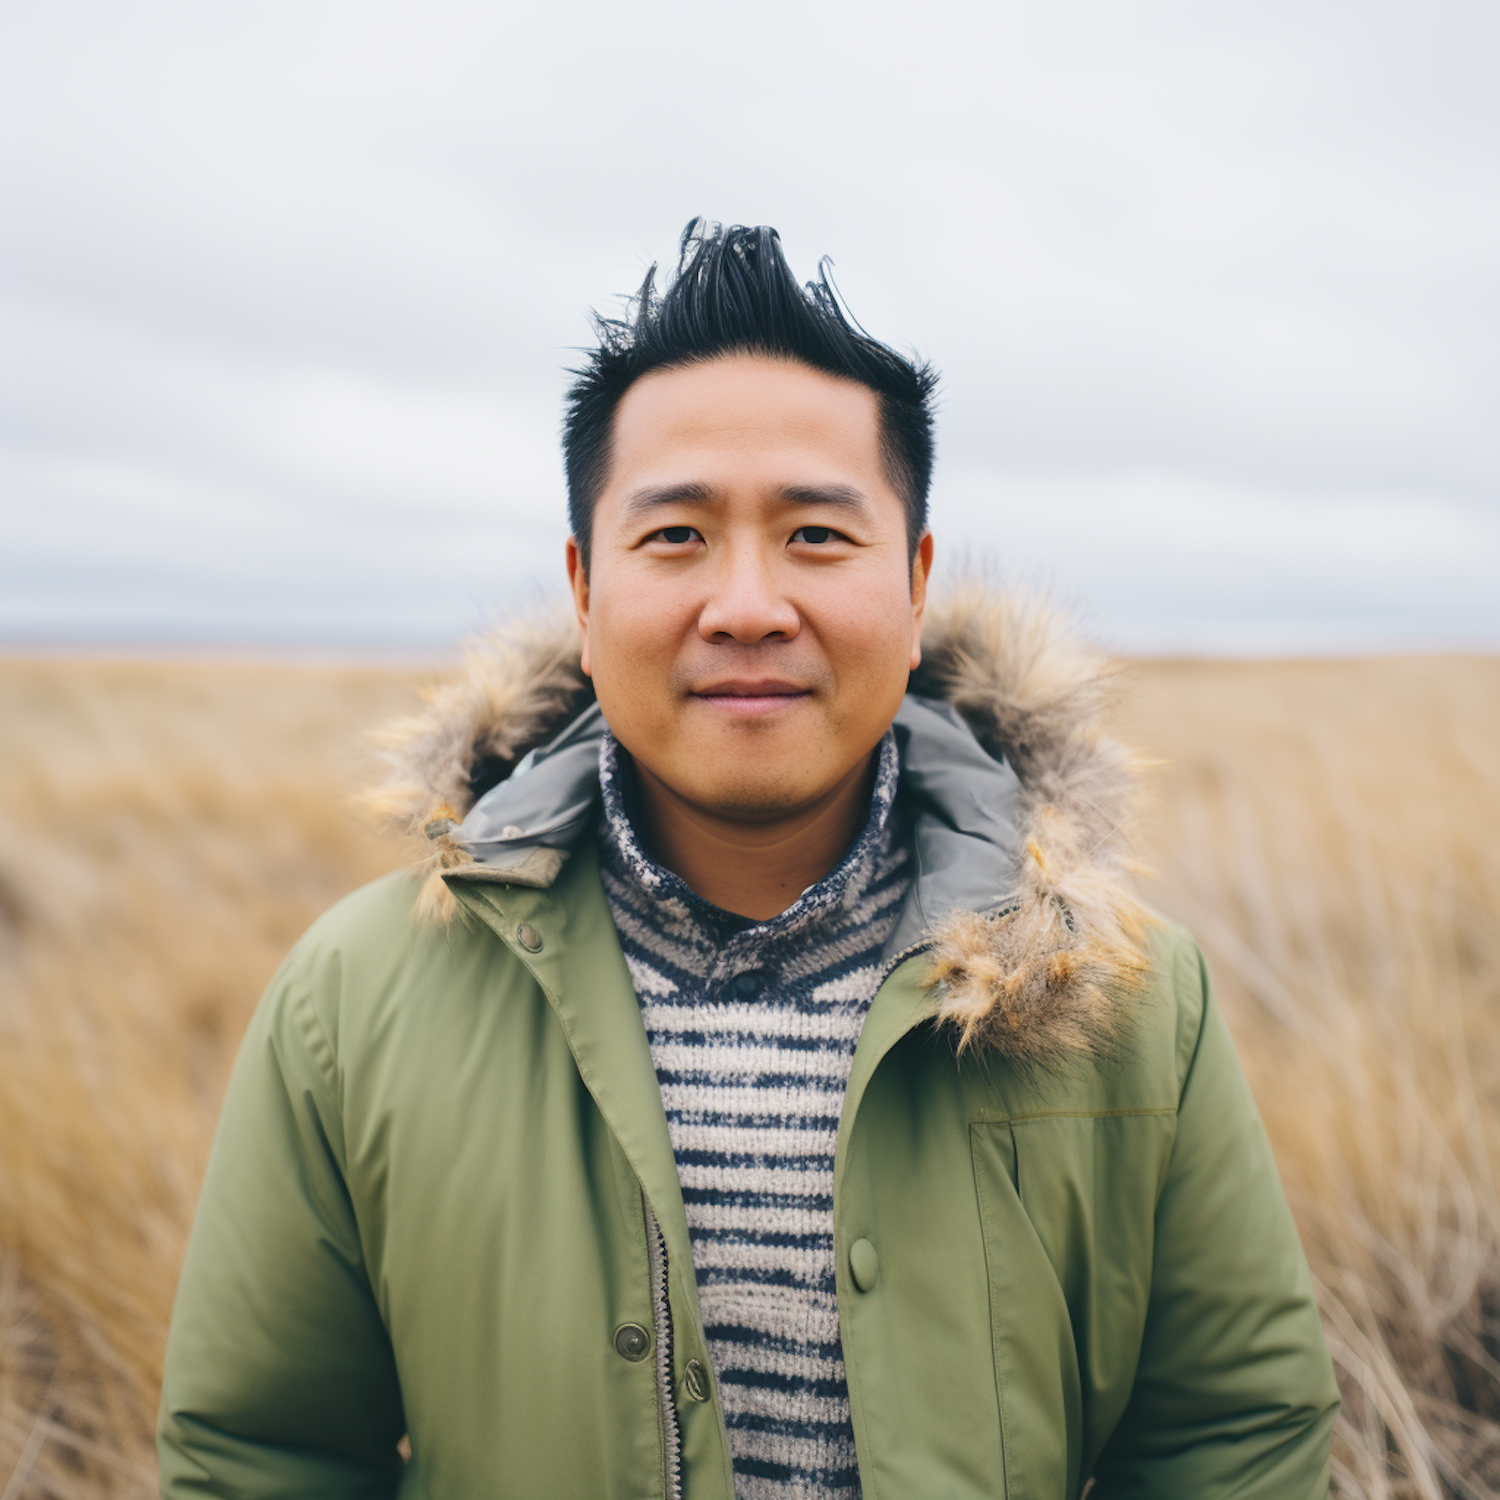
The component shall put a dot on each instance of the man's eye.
(813, 534)
(677, 536)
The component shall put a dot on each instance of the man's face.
(750, 613)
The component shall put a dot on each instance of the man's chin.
(748, 794)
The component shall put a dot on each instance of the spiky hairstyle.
(734, 293)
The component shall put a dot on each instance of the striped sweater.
(752, 1027)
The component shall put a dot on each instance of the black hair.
(734, 293)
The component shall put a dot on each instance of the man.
(772, 1089)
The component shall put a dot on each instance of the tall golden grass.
(1332, 835)
(166, 831)
(1331, 832)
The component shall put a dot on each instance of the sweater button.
(747, 986)
(864, 1264)
(632, 1342)
(529, 938)
(695, 1381)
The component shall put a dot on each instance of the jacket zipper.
(661, 1313)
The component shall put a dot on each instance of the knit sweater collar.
(817, 913)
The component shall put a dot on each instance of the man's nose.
(746, 604)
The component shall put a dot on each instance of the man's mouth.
(752, 696)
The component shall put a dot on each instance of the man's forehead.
(749, 399)
(745, 423)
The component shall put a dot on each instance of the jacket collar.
(1018, 805)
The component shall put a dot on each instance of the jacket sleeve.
(280, 1380)
(1235, 1393)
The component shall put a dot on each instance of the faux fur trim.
(516, 688)
(1049, 975)
(1054, 973)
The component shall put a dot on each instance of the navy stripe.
(813, 1161)
(716, 1117)
(798, 1479)
(728, 1078)
(744, 1198)
(774, 1380)
(747, 1036)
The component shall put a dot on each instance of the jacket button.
(864, 1264)
(695, 1381)
(529, 938)
(632, 1341)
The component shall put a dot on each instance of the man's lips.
(752, 696)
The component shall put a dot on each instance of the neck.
(755, 869)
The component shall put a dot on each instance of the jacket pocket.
(1068, 1205)
(1036, 1363)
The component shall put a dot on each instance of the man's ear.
(921, 570)
(578, 581)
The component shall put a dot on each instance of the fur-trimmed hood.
(1020, 808)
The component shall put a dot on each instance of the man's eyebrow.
(844, 496)
(647, 499)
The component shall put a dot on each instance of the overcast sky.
(288, 292)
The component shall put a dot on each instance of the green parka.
(442, 1201)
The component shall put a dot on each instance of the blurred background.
(288, 294)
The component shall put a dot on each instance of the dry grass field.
(1330, 831)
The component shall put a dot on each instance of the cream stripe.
(767, 1179)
